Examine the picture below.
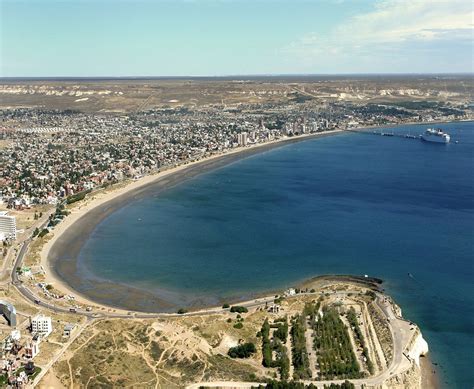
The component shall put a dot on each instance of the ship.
(435, 135)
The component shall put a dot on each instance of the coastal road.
(40, 301)
(400, 329)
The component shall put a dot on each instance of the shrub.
(238, 309)
(77, 197)
(43, 232)
(242, 351)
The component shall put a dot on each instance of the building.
(242, 139)
(68, 330)
(15, 335)
(32, 349)
(9, 311)
(290, 292)
(7, 226)
(42, 325)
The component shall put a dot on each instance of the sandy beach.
(429, 376)
(59, 254)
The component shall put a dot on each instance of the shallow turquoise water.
(350, 204)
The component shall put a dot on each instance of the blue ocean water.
(346, 204)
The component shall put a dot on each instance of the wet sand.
(59, 256)
(429, 377)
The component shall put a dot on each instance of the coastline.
(98, 206)
(429, 374)
(69, 235)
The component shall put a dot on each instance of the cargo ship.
(435, 135)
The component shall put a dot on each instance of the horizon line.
(236, 76)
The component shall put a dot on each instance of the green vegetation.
(281, 331)
(43, 232)
(239, 325)
(266, 346)
(299, 352)
(77, 197)
(33, 375)
(354, 323)
(182, 311)
(242, 351)
(238, 309)
(371, 294)
(155, 350)
(225, 306)
(278, 300)
(333, 346)
(311, 309)
(282, 361)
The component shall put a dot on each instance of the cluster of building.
(79, 151)
(16, 362)
(18, 352)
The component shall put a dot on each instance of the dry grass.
(130, 96)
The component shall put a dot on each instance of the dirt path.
(373, 343)
(288, 348)
(309, 335)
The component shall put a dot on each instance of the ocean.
(394, 208)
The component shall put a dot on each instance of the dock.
(384, 133)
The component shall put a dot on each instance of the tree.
(242, 351)
(238, 309)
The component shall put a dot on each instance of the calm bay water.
(347, 204)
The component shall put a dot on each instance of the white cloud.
(391, 27)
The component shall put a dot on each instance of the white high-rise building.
(42, 325)
(7, 226)
(242, 139)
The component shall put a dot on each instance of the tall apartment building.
(7, 226)
(42, 325)
(242, 139)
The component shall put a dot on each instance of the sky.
(86, 38)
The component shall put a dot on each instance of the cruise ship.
(435, 135)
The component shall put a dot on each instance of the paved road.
(399, 328)
(47, 304)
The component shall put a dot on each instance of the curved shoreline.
(59, 254)
(69, 235)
